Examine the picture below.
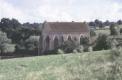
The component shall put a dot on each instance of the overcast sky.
(61, 10)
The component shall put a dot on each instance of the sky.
(61, 10)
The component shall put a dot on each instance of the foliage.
(19, 33)
(101, 43)
(32, 43)
(84, 41)
(119, 22)
(68, 46)
(60, 51)
(112, 43)
(8, 48)
(5, 44)
(113, 29)
(79, 49)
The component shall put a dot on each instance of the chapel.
(55, 33)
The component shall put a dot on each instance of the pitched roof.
(67, 27)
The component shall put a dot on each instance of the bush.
(79, 49)
(115, 53)
(84, 41)
(112, 43)
(60, 51)
(114, 29)
(5, 44)
(69, 46)
(8, 48)
(101, 43)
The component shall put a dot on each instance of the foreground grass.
(81, 66)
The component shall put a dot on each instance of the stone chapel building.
(55, 33)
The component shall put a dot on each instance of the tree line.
(101, 24)
(16, 37)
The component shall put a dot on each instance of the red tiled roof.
(68, 27)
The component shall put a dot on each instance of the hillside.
(100, 65)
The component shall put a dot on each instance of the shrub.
(60, 51)
(114, 29)
(6, 45)
(68, 46)
(115, 53)
(8, 48)
(84, 41)
(101, 43)
(79, 49)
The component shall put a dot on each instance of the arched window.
(62, 39)
(75, 39)
(69, 38)
(84, 40)
(81, 40)
(56, 43)
(47, 42)
(41, 42)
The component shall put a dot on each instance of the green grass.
(120, 26)
(81, 66)
(104, 31)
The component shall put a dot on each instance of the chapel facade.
(55, 33)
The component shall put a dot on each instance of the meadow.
(99, 65)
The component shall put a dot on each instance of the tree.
(32, 43)
(119, 22)
(113, 29)
(92, 24)
(101, 43)
(5, 44)
(84, 41)
(107, 23)
(68, 46)
(19, 33)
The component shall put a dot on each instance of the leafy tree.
(18, 32)
(92, 24)
(119, 22)
(107, 23)
(101, 43)
(84, 41)
(68, 46)
(113, 29)
(5, 44)
(99, 23)
(78, 49)
(32, 43)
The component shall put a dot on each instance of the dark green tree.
(68, 46)
(101, 43)
(5, 44)
(119, 22)
(113, 29)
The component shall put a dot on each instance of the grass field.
(104, 31)
(81, 66)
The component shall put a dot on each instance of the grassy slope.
(86, 66)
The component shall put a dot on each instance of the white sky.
(61, 10)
